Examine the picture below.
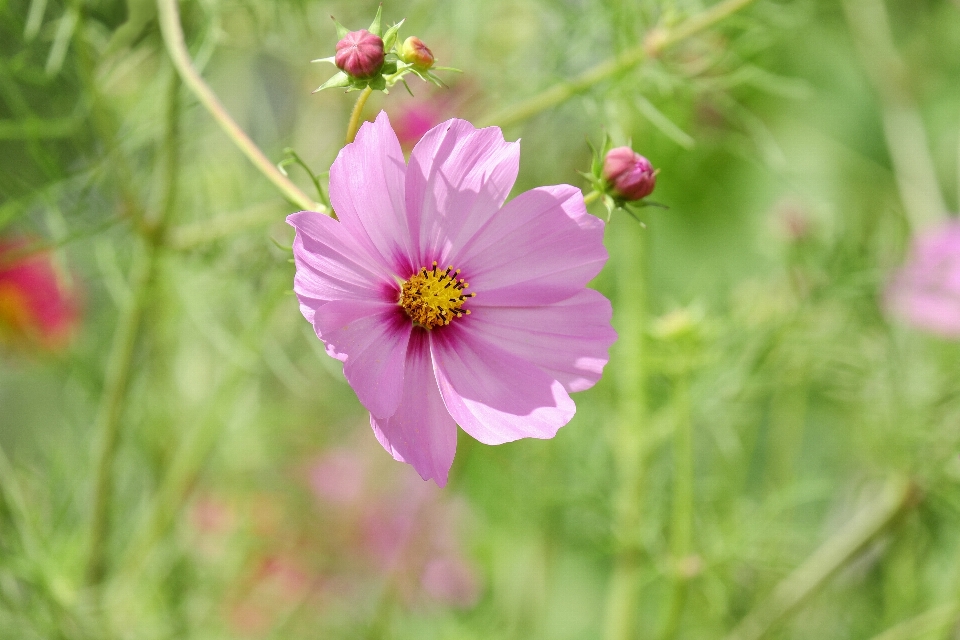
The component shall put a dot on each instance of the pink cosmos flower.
(446, 305)
(926, 290)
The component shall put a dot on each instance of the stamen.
(426, 300)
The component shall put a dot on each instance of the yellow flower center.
(433, 298)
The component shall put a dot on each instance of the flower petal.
(493, 395)
(331, 265)
(569, 340)
(457, 180)
(421, 431)
(542, 247)
(371, 338)
(367, 192)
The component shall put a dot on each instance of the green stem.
(627, 441)
(195, 234)
(930, 623)
(681, 524)
(658, 41)
(354, 125)
(897, 495)
(591, 197)
(177, 49)
(120, 362)
(107, 424)
(913, 166)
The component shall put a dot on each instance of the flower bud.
(414, 52)
(629, 174)
(360, 54)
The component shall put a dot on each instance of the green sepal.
(340, 79)
(375, 26)
(407, 86)
(341, 30)
(390, 37)
(331, 60)
(436, 68)
(378, 83)
(389, 68)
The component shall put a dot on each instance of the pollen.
(434, 297)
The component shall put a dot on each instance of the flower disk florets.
(433, 298)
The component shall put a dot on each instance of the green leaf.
(375, 26)
(390, 37)
(662, 122)
(340, 79)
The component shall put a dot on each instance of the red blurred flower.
(36, 306)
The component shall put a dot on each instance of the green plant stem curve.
(656, 42)
(172, 34)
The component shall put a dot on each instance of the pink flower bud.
(360, 54)
(630, 175)
(414, 52)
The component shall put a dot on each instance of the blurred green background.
(767, 455)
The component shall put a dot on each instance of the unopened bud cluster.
(376, 59)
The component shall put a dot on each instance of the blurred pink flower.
(414, 119)
(210, 515)
(337, 476)
(925, 292)
(449, 580)
(413, 116)
(35, 305)
(422, 354)
(396, 529)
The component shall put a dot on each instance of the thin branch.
(657, 41)
(177, 48)
(913, 165)
(897, 495)
(194, 234)
(930, 622)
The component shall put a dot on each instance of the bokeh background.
(773, 449)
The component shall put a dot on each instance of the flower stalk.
(355, 119)
(681, 521)
(126, 335)
(627, 439)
